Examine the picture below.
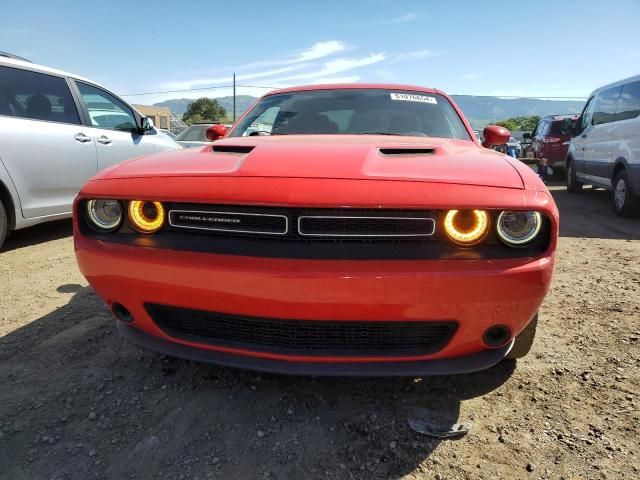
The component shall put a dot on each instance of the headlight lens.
(104, 215)
(145, 216)
(518, 228)
(466, 227)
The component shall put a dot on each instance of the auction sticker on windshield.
(408, 97)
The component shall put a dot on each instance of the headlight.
(146, 217)
(104, 215)
(518, 228)
(466, 227)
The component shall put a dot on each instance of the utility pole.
(234, 98)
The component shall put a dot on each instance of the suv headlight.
(104, 215)
(517, 228)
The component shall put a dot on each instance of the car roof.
(342, 86)
(635, 78)
(34, 67)
(562, 117)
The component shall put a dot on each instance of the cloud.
(291, 62)
(470, 76)
(407, 17)
(320, 50)
(415, 55)
(333, 67)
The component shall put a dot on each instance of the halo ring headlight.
(146, 216)
(516, 228)
(104, 215)
(466, 227)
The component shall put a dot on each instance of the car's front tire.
(573, 185)
(524, 340)
(625, 202)
(4, 224)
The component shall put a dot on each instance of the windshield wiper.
(379, 133)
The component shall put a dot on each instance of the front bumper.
(448, 366)
(476, 294)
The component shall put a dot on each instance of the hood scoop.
(401, 151)
(232, 148)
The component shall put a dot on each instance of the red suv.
(549, 141)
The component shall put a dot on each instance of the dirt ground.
(78, 402)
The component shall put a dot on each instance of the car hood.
(357, 157)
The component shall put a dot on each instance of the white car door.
(48, 153)
(600, 137)
(113, 126)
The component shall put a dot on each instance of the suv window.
(585, 118)
(36, 96)
(542, 128)
(105, 110)
(195, 133)
(629, 102)
(605, 106)
(556, 128)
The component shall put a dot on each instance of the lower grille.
(342, 338)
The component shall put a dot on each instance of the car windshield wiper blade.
(380, 133)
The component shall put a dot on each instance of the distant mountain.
(483, 110)
(479, 110)
(180, 105)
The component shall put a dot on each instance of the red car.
(550, 140)
(335, 230)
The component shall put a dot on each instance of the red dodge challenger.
(334, 230)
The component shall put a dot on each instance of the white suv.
(56, 131)
(605, 148)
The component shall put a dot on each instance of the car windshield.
(353, 112)
(195, 133)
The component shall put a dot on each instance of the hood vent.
(407, 151)
(232, 148)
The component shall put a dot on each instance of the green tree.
(526, 124)
(204, 110)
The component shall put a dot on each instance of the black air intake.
(307, 337)
(232, 148)
(407, 151)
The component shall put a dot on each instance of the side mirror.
(495, 135)
(215, 132)
(146, 124)
(526, 135)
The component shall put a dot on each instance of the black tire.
(625, 202)
(4, 224)
(573, 185)
(524, 340)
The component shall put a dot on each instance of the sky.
(181, 49)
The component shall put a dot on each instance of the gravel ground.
(77, 402)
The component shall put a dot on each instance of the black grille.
(303, 336)
(371, 226)
(229, 222)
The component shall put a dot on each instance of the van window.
(585, 118)
(36, 96)
(629, 102)
(105, 110)
(605, 106)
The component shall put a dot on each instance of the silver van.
(605, 145)
(56, 131)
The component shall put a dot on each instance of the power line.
(510, 97)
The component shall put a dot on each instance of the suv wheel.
(4, 224)
(524, 340)
(573, 185)
(625, 203)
